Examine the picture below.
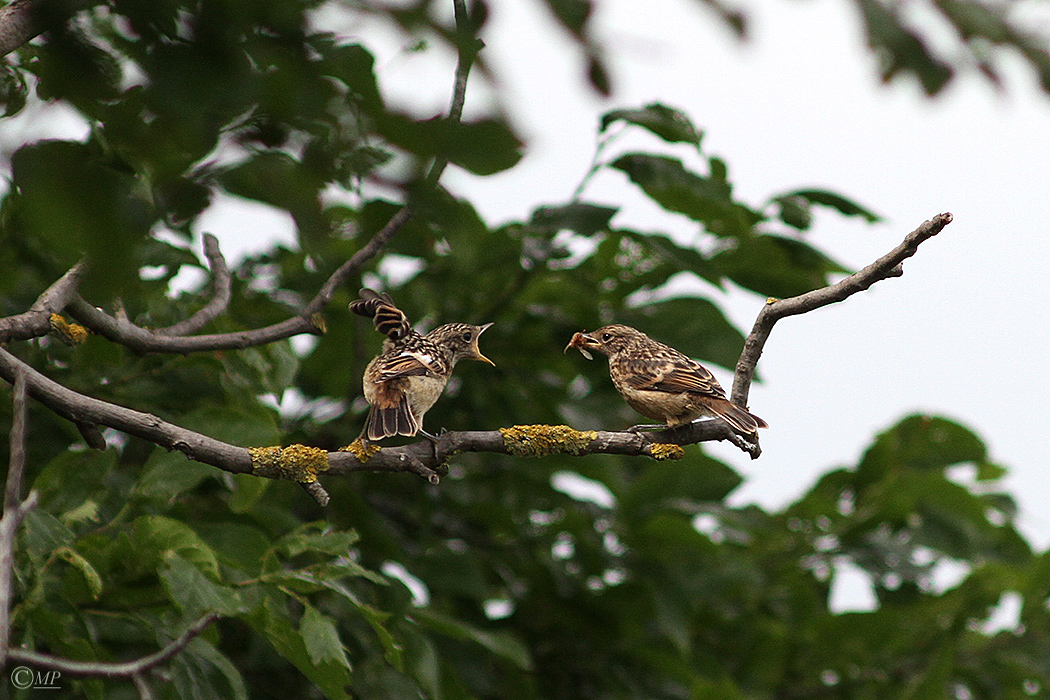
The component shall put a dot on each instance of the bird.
(660, 382)
(408, 376)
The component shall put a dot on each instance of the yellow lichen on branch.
(361, 449)
(662, 450)
(68, 333)
(541, 440)
(294, 463)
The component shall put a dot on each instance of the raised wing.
(388, 319)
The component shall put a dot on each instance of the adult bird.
(660, 382)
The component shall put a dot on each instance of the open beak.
(477, 351)
(581, 341)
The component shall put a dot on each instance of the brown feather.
(660, 382)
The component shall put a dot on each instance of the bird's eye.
(606, 337)
(466, 337)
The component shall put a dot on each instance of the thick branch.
(127, 669)
(220, 292)
(889, 265)
(37, 321)
(18, 24)
(421, 458)
(84, 409)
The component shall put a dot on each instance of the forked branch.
(889, 265)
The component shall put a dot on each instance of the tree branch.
(37, 321)
(15, 510)
(889, 265)
(308, 320)
(220, 286)
(467, 46)
(18, 24)
(305, 464)
(84, 409)
(127, 669)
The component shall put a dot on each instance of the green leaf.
(777, 266)
(279, 179)
(670, 124)
(483, 147)
(155, 537)
(193, 672)
(332, 679)
(923, 442)
(579, 217)
(246, 492)
(194, 593)
(74, 203)
(498, 642)
(167, 475)
(91, 577)
(317, 537)
(322, 639)
(354, 65)
(44, 534)
(572, 14)
(794, 211)
(708, 200)
(901, 49)
(832, 200)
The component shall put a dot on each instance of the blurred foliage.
(502, 582)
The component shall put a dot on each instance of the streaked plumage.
(406, 379)
(661, 383)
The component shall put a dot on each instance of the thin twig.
(220, 292)
(17, 460)
(9, 524)
(14, 509)
(101, 669)
(138, 339)
(888, 265)
(467, 46)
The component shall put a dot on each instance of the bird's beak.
(582, 341)
(477, 351)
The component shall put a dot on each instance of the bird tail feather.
(738, 418)
(391, 421)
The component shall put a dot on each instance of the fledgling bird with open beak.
(661, 383)
(406, 379)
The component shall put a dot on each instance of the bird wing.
(409, 363)
(387, 318)
(673, 375)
